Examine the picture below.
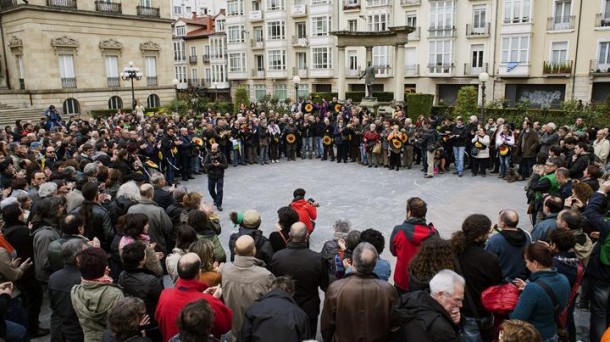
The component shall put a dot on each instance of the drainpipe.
(6, 72)
(573, 74)
(493, 58)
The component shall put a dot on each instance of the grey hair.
(364, 265)
(445, 281)
(90, 169)
(129, 190)
(342, 227)
(298, 232)
(70, 249)
(156, 178)
(47, 189)
(179, 193)
(552, 125)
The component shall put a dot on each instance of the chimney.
(194, 15)
(209, 23)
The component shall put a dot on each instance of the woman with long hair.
(135, 228)
(210, 272)
(286, 218)
(186, 236)
(436, 254)
(206, 229)
(97, 218)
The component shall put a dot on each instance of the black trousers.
(185, 167)
(342, 150)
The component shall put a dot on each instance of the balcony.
(415, 35)
(148, 11)
(470, 70)
(599, 68)
(255, 16)
(478, 31)
(350, 5)
(411, 70)
(517, 20)
(441, 32)
(68, 82)
(193, 59)
(194, 83)
(205, 58)
(299, 11)
(440, 69)
(112, 82)
(257, 44)
(550, 68)
(302, 72)
(151, 81)
(353, 73)
(62, 3)
(110, 7)
(601, 20)
(21, 84)
(378, 3)
(299, 42)
(514, 69)
(561, 23)
(258, 73)
(407, 3)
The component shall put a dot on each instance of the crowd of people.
(93, 214)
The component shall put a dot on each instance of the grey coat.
(159, 224)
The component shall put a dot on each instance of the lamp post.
(130, 73)
(483, 77)
(175, 83)
(296, 80)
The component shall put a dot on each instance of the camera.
(313, 202)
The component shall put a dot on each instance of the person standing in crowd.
(185, 149)
(507, 245)
(215, 163)
(505, 141)
(550, 209)
(527, 147)
(307, 209)
(428, 145)
(407, 238)
(169, 150)
(459, 139)
(195, 323)
(601, 147)
(480, 143)
(159, 224)
(163, 198)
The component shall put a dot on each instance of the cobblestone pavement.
(368, 197)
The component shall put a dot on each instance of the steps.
(9, 114)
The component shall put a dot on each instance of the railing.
(477, 31)
(441, 32)
(415, 35)
(561, 23)
(440, 68)
(62, 3)
(557, 68)
(68, 82)
(383, 70)
(193, 59)
(351, 6)
(377, 3)
(470, 70)
(193, 82)
(256, 15)
(21, 84)
(258, 73)
(353, 73)
(112, 81)
(412, 70)
(298, 10)
(410, 2)
(205, 58)
(599, 68)
(151, 81)
(148, 11)
(256, 44)
(112, 7)
(299, 41)
(601, 20)
(301, 72)
(517, 20)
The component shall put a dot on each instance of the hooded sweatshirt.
(92, 302)
(508, 246)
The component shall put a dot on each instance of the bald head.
(298, 232)
(245, 246)
(365, 258)
(509, 218)
(189, 266)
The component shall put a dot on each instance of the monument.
(369, 78)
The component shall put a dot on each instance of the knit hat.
(252, 219)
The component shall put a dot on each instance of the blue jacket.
(595, 268)
(508, 246)
(543, 229)
(536, 307)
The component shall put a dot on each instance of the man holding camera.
(305, 208)
(215, 163)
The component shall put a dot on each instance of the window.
(563, 8)
(559, 52)
(515, 49)
(352, 60)
(180, 71)
(256, 5)
(235, 34)
(21, 70)
(217, 48)
(477, 56)
(303, 90)
(146, 3)
(66, 71)
(411, 66)
(301, 29)
(377, 2)
(237, 62)
(275, 5)
(607, 9)
(322, 58)
(235, 7)
(479, 17)
(203, 11)
(71, 106)
(319, 2)
(441, 15)
(220, 25)
(115, 102)
(150, 70)
(275, 30)
(378, 22)
(301, 60)
(260, 62)
(112, 70)
(604, 53)
(280, 91)
(517, 11)
(320, 26)
(440, 55)
(188, 10)
(260, 91)
(219, 73)
(179, 51)
(381, 56)
(180, 31)
(194, 78)
(177, 10)
(194, 51)
(258, 34)
(277, 59)
(153, 101)
(411, 18)
(352, 25)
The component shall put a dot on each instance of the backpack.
(604, 251)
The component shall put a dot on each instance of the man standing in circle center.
(305, 208)
(216, 163)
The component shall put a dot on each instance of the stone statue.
(369, 78)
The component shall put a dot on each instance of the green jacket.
(219, 252)
(554, 185)
(92, 302)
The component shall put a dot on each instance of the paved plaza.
(368, 197)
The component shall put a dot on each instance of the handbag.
(474, 151)
(377, 148)
(500, 299)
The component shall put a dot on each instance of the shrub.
(241, 96)
(466, 101)
(419, 104)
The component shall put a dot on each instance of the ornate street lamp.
(483, 77)
(130, 73)
(296, 80)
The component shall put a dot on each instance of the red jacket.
(172, 301)
(405, 242)
(306, 211)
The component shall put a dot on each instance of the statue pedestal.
(369, 102)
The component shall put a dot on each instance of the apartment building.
(70, 53)
(185, 8)
(536, 50)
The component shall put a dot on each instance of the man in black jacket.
(307, 268)
(428, 144)
(162, 197)
(216, 163)
(186, 154)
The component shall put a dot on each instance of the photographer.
(305, 208)
(215, 163)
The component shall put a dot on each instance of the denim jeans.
(600, 295)
(235, 156)
(262, 158)
(470, 330)
(307, 148)
(195, 164)
(170, 162)
(363, 156)
(504, 165)
(16, 332)
(458, 154)
(215, 188)
(318, 147)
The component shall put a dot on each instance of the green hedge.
(104, 113)
(418, 104)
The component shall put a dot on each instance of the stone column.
(399, 73)
(341, 74)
